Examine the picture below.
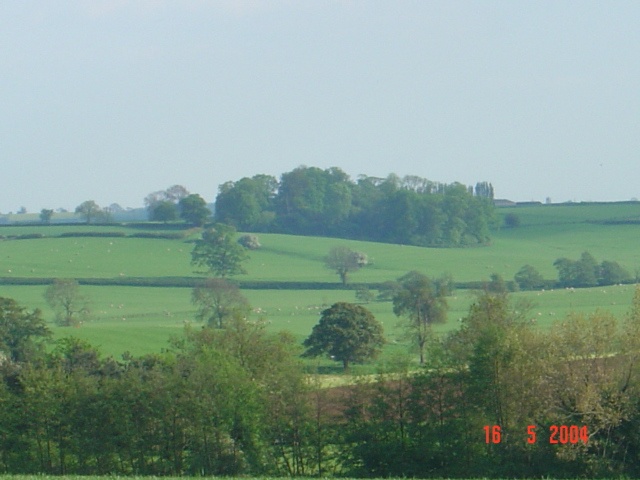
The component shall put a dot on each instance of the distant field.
(141, 320)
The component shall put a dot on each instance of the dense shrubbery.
(234, 401)
(94, 234)
(311, 201)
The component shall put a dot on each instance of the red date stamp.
(558, 434)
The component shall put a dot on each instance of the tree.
(343, 261)
(89, 211)
(45, 215)
(528, 278)
(219, 252)
(163, 211)
(611, 273)
(70, 306)
(346, 332)
(496, 284)
(581, 273)
(194, 210)
(422, 302)
(20, 330)
(218, 301)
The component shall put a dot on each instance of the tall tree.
(422, 302)
(346, 332)
(219, 252)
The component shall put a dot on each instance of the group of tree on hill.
(177, 203)
(496, 398)
(584, 272)
(312, 201)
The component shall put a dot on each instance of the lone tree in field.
(346, 332)
(219, 252)
(70, 306)
(343, 261)
(218, 301)
(45, 215)
(422, 302)
(90, 211)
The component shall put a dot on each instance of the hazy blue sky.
(110, 100)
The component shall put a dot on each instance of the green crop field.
(142, 319)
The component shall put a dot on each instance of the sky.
(109, 100)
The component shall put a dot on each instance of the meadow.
(142, 319)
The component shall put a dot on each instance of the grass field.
(141, 319)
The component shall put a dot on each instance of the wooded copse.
(236, 400)
(312, 201)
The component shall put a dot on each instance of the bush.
(93, 234)
(161, 235)
(511, 220)
(250, 241)
(528, 278)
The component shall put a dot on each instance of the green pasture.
(571, 213)
(141, 319)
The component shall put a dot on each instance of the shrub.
(250, 241)
(511, 220)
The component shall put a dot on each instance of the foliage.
(218, 301)
(511, 220)
(45, 215)
(70, 306)
(312, 201)
(586, 272)
(20, 331)
(163, 211)
(423, 303)
(218, 251)
(528, 278)
(346, 332)
(91, 211)
(194, 210)
(343, 260)
(250, 241)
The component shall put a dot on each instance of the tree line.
(231, 399)
(312, 201)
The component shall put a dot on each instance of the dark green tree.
(219, 252)
(422, 302)
(163, 211)
(194, 210)
(611, 273)
(528, 278)
(21, 331)
(346, 332)
(247, 204)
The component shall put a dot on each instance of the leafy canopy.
(219, 253)
(346, 332)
